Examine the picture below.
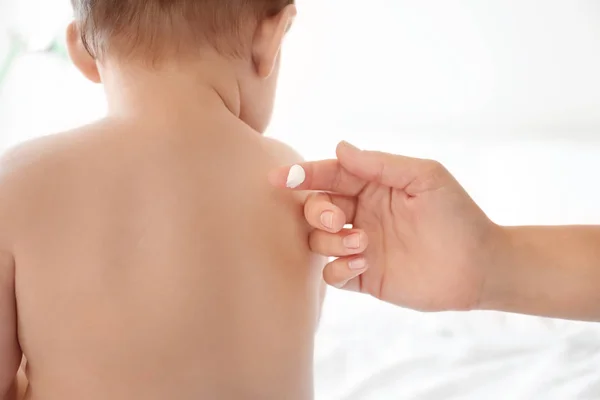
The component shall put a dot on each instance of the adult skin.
(419, 241)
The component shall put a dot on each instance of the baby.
(145, 256)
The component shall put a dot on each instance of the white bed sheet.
(367, 350)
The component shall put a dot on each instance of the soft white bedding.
(371, 351)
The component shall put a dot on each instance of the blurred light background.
(505, 92)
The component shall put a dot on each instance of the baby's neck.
(171, 92)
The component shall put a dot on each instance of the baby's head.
(244, 35)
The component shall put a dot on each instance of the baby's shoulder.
(33, 166)
(44, 154)
(18, 161)
(281, 153)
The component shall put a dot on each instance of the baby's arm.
(10, 351)
(284, 154)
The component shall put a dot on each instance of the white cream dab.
(296, 177)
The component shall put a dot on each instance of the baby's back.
(157, 265)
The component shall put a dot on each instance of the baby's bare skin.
(157, 264)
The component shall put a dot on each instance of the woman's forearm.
(546, 271)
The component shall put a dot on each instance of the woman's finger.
(329, 212)
(326, 175)
(345, 243)
(413, 175)
(345, 273)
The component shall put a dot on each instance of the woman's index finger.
(325, 175)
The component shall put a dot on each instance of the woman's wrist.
(500, 290)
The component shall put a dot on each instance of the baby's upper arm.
(10, 352)
(285, 155)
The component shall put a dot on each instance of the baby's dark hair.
(157, 28)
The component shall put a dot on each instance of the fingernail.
(352, 241)
(341, 285)
(357, 264)
(296, 177)
(350, 146)
(327, 219)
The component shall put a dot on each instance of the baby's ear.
(268, 39)
(80, 55)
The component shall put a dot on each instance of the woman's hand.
(417, 239)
